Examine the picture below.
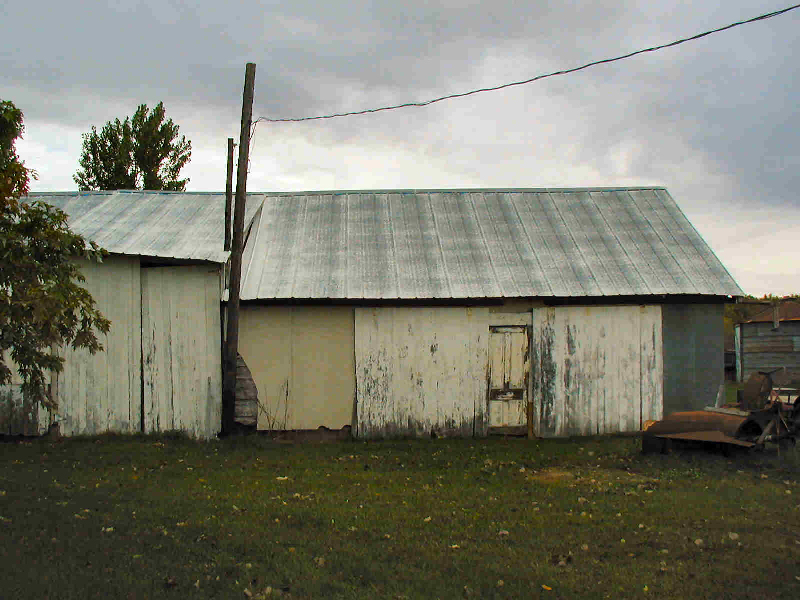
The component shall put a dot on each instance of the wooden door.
(181, 350)
(508, 375)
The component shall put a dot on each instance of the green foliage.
(41, 305)
(142, 152)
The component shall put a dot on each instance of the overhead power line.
(538, 77)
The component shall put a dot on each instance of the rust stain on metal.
(697, 421)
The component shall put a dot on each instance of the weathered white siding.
(596, 369)
(19, 416)
(102, 392)
(181, 349)
(179, 306)
(421, 370)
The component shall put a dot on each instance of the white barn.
(449, 312)
(161, 288)
(399, 312)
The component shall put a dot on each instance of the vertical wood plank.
(95, 394)
(415, 371)
(181, 346)
(600, 369)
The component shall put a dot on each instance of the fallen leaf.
(427, 519)
(546, 588)
(733, 536)
(502, 533)
(320, 560)
(455, 546)
(698, 542)
(281, 478)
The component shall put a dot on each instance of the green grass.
(139, 517)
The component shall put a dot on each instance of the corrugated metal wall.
(694, 356)
(596, 369)
(421, 370)
(181, 350)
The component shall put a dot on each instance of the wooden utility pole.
(229, 195)
(232, 330)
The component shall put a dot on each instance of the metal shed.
(446, 312)
(161, 289)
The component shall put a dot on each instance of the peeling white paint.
(596, 369)
(509, 367)
(421, 370)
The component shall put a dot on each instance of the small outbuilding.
(769, 341)
(161, 288)
(463, 312)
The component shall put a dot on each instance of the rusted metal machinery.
(761, 417)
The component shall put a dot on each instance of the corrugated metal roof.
(180, 225)
(429, 244)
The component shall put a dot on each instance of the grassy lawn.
(140, 517)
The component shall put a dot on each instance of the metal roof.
(179, 225)
(788, 310)
(431, 244)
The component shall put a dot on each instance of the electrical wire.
(532, 79)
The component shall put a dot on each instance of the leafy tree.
(41, 303)
(142, 152)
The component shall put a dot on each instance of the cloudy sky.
(716, 121)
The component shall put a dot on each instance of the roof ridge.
(362, 191)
